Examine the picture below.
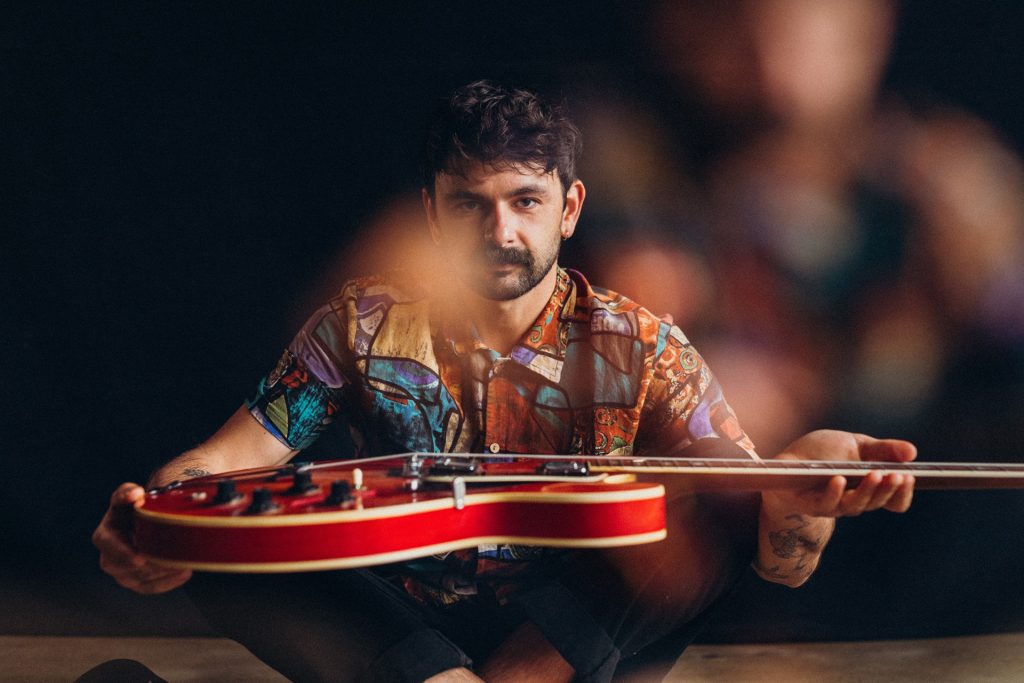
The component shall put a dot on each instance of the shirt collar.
(542, 348)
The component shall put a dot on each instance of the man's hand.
(240, 443)
(118, 556)
(892, 491)
(795, 525)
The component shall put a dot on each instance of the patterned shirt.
(596, 374)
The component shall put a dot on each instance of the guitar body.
(370, 512)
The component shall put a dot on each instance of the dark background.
(177, 178)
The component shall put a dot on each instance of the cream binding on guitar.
(356, 513)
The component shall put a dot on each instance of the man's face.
(501, 228)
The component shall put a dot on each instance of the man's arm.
(795, 526)
(241, 442)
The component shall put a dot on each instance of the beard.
(532, 269)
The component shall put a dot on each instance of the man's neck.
(501, 324)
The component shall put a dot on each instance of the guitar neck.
(697, 473)
(711, 473)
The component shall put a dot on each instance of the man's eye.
(468, 206)
(527, 202)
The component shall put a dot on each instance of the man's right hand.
(118, 556)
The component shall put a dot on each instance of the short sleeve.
(685, 404)
(298, 399)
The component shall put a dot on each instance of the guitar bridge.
(456, 466)
(564, 468)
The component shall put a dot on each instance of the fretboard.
(764, 474)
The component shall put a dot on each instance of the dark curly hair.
(499, 126)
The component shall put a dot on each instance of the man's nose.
(501, 228)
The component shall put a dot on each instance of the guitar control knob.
(227, 492)
(262, 501)
(341, 493)
(302, 484)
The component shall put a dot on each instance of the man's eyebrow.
(529, 189)
(462, 194)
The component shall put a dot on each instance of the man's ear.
(431, 210)
(573, 206)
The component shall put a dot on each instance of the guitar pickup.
(564, 468)
(458, 466)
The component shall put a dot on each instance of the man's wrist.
(779, 513)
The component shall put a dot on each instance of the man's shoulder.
(394, 286)
(609, 312)
(387, 313)
(372, 302)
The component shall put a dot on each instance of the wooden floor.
(46, 659)
(990, 658)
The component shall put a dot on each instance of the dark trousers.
(602, 610)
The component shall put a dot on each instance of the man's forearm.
(790, 545)
(197, 462)
(241, 442)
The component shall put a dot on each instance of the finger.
(155, 574)
(825, 502)
(833, 493)
(139, 569)
(124, 499)
(856, 500)
(114, 543)
(136, 566)
(115, 547)
(901, 499)
(884, 492)
(885, 450)
(165, 581)
(127, 494)
(111, 537)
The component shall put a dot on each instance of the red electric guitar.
(356, 513)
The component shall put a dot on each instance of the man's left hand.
(892, 491)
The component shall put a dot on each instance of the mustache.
(505, 256)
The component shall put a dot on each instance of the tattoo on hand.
(194, 472)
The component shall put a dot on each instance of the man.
(512, 355)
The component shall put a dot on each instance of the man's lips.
(498, 257)
(499, 271)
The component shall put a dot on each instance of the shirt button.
(494, 447)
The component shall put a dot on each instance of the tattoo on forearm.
(192, 472)
(791, 544)
(774, 572)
